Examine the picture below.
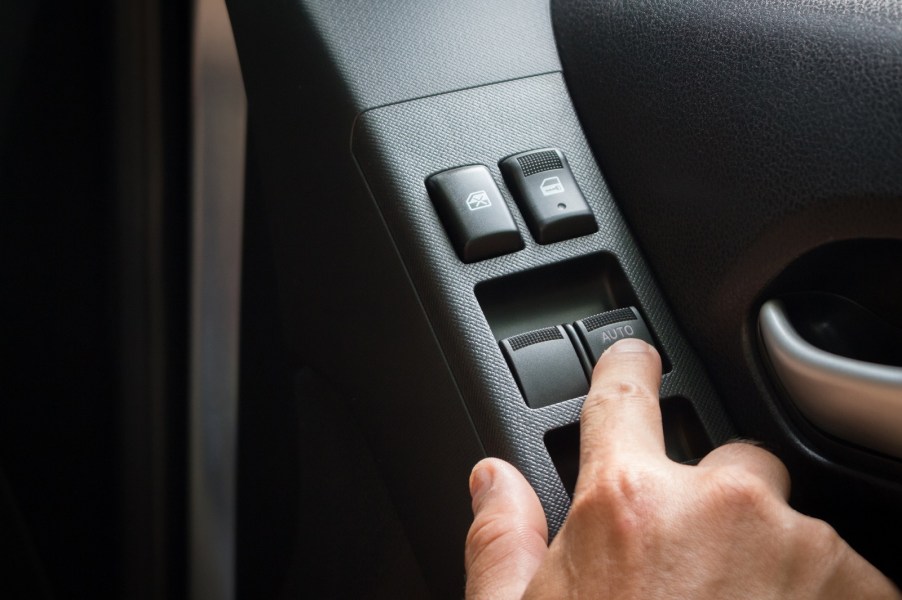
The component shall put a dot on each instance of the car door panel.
(754, 148)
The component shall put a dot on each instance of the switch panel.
(600, 331)
(474, 213)
(552, 203)
(546, 366)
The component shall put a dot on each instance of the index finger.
(621, 416)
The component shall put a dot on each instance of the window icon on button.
(543, 185)
(552, 186)
(478, 200)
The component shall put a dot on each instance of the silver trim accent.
(855, 400)
(219, 118)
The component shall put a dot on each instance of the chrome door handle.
(852, 399)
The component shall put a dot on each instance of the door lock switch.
(546, 366)
(599, 332)
(474, 213)
(552, 203)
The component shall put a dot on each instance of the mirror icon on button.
(478, 200)
(474, 213)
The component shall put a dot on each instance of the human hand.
(642, 526)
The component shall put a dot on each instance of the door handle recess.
(852, 399)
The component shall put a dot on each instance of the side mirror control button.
(474, 213)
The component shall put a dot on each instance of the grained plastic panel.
(397, 146)
(395, 50)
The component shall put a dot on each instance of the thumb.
(509, 536)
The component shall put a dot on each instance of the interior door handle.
(852, 399)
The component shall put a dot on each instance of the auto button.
(600, 331)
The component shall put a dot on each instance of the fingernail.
(628, 345)
(480, 482)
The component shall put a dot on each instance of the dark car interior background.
(278, 274)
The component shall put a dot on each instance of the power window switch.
(473, 212)
(551, 202)
(599, 332)
(546, 366)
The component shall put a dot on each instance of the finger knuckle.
(483, 534)
(494, 542)
(817, 538)
(617, 392)
(619, 497)
(736, 487)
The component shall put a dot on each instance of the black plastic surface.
(391, 51)
(685, 440)
(341, 303)
(546, 366)
(553, 294)
(398, 146)
(474, 213)
(841, 326)
(739, 136)
(429, 382)
(547, 193)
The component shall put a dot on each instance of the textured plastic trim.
(397, 146)
(393, 51)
